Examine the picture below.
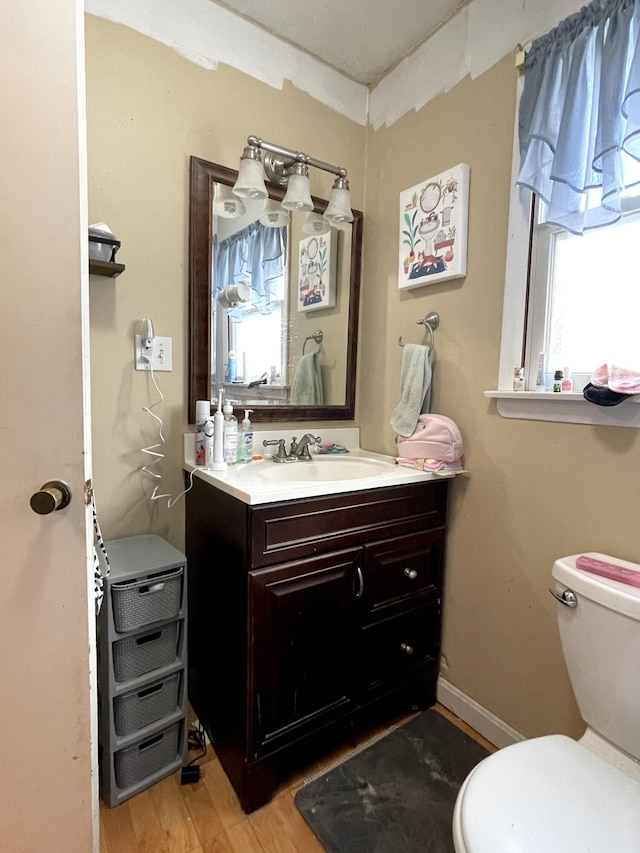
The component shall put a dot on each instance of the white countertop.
(248, 483)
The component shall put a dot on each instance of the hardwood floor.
(206, 817)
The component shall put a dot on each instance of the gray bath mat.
(396, 796)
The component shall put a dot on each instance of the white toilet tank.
(601, 644)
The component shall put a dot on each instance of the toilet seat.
(547, 794)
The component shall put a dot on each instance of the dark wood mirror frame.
(203, 176)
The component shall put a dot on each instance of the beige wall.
(149, 109)
(535, 490)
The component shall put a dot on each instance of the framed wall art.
(317, 271)
(434, 217)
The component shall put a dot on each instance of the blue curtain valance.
(255, 255)
(579, 120)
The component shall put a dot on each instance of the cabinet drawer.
(400, 570)
(389, 651)
(295, 529)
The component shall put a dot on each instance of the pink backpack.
(435, 437)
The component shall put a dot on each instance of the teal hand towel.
(307, 382)
(415, 388)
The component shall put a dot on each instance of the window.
(584, 298)
(526, 329)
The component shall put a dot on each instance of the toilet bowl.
(553, 794)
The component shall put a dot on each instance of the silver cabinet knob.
(411, 574)
(53, 495)
(406, 648)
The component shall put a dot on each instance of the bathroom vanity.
(310, 617)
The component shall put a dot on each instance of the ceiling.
(362, 39)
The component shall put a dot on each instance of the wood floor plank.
(222, 794)
(202, 808)
(239, 838)
(117, 833)
(282, 829)
(174, 817)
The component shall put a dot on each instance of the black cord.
(197, 739)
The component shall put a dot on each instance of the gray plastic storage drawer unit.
(142, 666)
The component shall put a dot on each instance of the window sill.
(567, 408)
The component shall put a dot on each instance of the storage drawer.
(398, 571)
(391, 649)
(295, 529)
(153, 598)
(139, 708)
(134, 763)
(134, 656)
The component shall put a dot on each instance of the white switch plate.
(160, 355)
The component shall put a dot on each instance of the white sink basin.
(323, 469)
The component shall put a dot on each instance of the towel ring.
(317, 336)
(431, 322)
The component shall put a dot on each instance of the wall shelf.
(108, 268)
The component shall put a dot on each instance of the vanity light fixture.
(314, 223)
(339, 207)
(273, 215)
(226, 204)
(291, 169)
(298, 196)
(250, 181)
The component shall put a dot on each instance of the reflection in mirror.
(273, 302)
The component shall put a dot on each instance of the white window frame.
(537, 405)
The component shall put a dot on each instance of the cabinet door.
(301, 641)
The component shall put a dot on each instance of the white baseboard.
(495, 730)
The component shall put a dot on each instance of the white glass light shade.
(339, 207)
(250, 182)
(314, 223)
(227, 204)
(298, 195)
(273, 216)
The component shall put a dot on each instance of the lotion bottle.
(230, 435)
(245, 443)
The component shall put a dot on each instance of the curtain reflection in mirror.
(249, 302)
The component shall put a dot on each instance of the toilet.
(553, 794)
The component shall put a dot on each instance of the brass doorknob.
(52, 495)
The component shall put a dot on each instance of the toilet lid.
(549, 794)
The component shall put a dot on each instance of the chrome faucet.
(301, 450)
(298, 449)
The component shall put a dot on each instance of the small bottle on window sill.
(518, 379)
(567, 381)
(557, 381)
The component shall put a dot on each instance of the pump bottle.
(245, 442)
(230, 435)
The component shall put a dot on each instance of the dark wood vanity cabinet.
(308, 618)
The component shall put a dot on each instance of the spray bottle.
(230, 435)
(203, 413)
(245, 443)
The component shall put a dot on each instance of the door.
(301, 640)
(47, 717)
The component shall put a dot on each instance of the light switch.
(160, 355)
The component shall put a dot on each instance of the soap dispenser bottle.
(230, 439)
(245, 443)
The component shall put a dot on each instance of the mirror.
(302, 324)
